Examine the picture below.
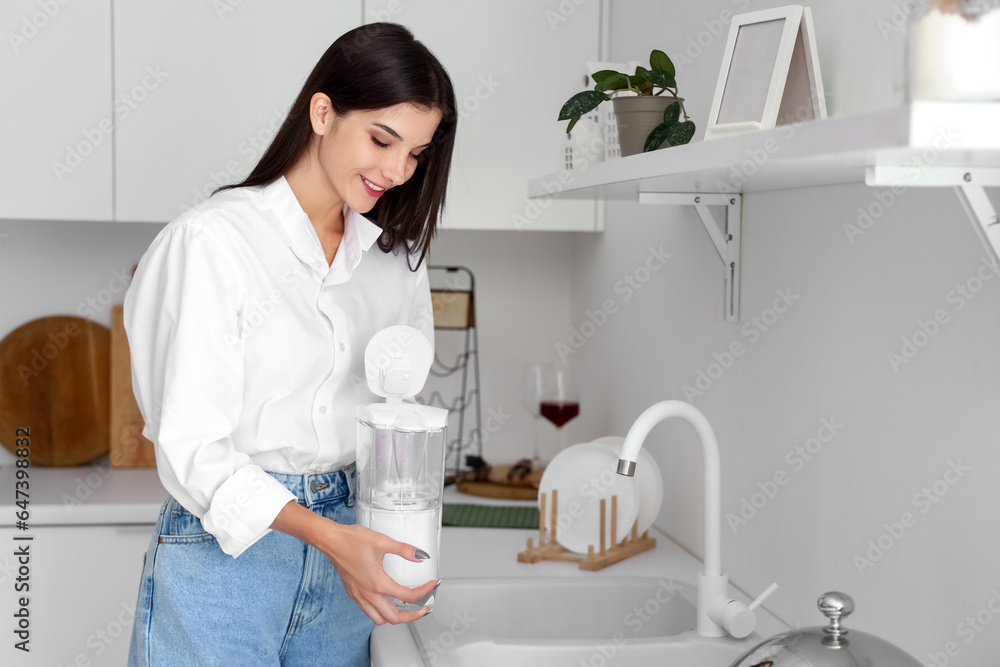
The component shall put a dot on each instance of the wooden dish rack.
(608, 553)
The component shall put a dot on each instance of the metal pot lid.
(829, 646)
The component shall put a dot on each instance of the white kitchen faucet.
(718, 615)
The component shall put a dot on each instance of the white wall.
(826, 357)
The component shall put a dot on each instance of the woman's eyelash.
(381, 145)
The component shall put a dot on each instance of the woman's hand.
(356, 553)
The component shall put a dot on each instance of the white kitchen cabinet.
(206, 85)
(84, 581)
(513, 63)
(55, 73)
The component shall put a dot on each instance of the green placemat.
(489, 516)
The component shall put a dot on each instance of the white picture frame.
(770, 73)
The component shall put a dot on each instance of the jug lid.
(829, 646)
(397, 361)
(412, 417)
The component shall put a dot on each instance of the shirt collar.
(360, 233)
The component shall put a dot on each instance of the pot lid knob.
(835, 606)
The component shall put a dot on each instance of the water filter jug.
(401, 454)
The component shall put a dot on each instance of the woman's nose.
(394, 169)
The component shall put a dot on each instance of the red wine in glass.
(560, 412)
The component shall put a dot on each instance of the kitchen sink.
(553, 622)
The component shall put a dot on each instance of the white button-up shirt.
(248, 350)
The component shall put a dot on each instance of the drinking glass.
(560, 401)
(534, 376)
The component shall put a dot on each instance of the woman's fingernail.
(420, 554)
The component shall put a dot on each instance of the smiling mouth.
(371, 185)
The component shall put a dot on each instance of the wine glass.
(534, 375)
(560, 401)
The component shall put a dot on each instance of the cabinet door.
(513, 63)
(84, 582)
(202, 87)
(55, 74)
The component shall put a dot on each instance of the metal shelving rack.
(453, 295)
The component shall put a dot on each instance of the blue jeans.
(280, 603)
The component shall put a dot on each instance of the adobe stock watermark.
(715, 28)
(592, 151)
(923, 501)
(251, 148)
(40, 358)
(101, 639)
(967, 630)
(926, 330)
(635, 620)
(796, 458)
(93, 137)
(432, 649)
(624, 289)
(755, 158)
(899, 17)
(85, 486)
(562, 13)
(706, 377)
(32, 24)
(225, 7)
(886, 198)
(92, 306)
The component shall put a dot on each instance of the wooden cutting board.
(54, 380)
(129, 448)
(496, 485)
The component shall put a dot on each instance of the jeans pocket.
(182, 527)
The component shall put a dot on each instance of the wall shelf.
(951, 137)
(923, 144)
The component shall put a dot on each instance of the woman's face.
(365, 153)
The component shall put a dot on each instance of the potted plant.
(647, 120)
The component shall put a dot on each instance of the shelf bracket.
(968, 183)
(983, 216)
(726, 237)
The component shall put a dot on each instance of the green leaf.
(613, 82)
(603, 74)
(572, 122)
(680, 133)
(672, 113)
(641, 71)
(662, 79)
(656, 137)
(658, 60)
(582, 103)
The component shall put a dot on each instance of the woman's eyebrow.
(394, 133)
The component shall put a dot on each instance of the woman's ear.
(321, 113)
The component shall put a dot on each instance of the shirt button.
(342, 347)
(318, 265)
(322, 409)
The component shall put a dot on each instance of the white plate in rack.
(584, 474)
(648, 480)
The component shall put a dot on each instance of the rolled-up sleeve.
(181, 316)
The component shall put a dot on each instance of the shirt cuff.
(244, 508)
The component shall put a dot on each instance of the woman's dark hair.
(375, 66)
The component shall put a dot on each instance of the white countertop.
(90, 494)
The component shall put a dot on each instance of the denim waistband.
(320, 487)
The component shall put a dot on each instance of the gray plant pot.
(637, 116)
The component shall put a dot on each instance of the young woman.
(247, 320)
